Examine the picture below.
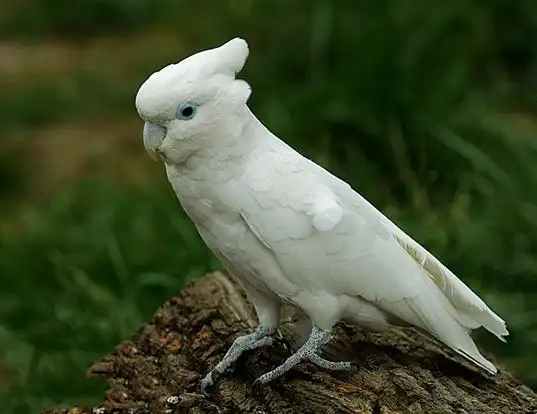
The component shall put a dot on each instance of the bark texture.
(401, 371)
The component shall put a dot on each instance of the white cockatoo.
(287, 230)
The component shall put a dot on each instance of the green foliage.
(427, 108)
(44, 102)
(79, 18)
(85, 273)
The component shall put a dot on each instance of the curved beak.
(153, 137)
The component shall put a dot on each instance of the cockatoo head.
(195, 104)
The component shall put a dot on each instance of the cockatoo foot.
(308, 352)
(261, 337)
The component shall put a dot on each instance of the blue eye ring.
(187, 111)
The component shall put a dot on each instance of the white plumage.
(287, 229)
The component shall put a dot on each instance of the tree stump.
(400, 371)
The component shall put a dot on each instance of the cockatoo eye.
(187, 111)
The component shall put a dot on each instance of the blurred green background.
(425, 107)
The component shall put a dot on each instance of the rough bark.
(401, 371)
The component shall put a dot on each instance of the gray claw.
(207, 382)
(308, 352)
(257, 339)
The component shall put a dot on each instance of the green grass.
(426, 110)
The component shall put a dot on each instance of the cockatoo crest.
(158, 95)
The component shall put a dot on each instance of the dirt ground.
(403, 371)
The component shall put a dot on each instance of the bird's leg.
(268, 312)
(309, 351)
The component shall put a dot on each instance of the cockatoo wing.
(327, 238)
(460, 296)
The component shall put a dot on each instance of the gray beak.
(153, 137)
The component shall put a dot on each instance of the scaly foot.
(310, 352)
(261, 337)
